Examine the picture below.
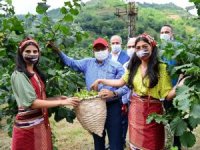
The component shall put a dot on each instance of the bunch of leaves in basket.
(83, 94)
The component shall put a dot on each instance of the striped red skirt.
(31, 131)
(142, 135)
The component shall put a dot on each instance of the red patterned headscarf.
(26, 42)
(149, 38)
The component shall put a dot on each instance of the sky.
(25, 6)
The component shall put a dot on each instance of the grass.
(73, 137)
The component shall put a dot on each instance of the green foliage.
(99, 20)
(179, 126)
(42, 8)
(197, 4)
(157, 118)
(61, 113)
(60, 80)
(184, 117)
(184, 139)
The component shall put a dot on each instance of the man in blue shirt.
(102, 67)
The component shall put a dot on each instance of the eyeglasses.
(164, 32)
(131, 46)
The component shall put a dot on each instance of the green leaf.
(174, 148)
(64, 29)
(51, 72)
(195, 111)
(2, 51)
(42, 8)
(78, 37)
(179, 126)
(63, 10)
(181, 101)
(184, 66)
(70, 115)
(68, 18)
(194, 122)
(45, 19)
(188, 139)
(68, 4)
(74, 11)
(9, 2)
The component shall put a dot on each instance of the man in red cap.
(102, 67)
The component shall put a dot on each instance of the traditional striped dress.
(145, 101)
(31, 130)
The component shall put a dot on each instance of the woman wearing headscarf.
(149, 80)
(31, 130)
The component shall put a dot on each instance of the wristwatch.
(115, 94)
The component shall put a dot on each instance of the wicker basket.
(91, 113)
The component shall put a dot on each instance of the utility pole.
(131, 12)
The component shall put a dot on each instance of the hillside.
(98, 18)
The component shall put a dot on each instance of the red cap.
(100, 41)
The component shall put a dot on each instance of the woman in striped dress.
(31, 130)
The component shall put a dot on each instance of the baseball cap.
(100, 41)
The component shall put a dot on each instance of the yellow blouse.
(159, 91)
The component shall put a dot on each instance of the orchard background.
(73, 27)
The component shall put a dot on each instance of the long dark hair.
(21, 64)
(152, 69)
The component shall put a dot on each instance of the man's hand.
(52, 46)
(94, 85)
(105, 94)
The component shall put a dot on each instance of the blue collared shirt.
(93, 70)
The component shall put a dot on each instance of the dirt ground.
(73, 137)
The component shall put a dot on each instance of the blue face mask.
(116, 48)
(142, 53)
(101, 55)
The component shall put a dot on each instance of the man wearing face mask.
(117, 54)
(166, 33)
(166, 37)
(102, 67)
(130, 49)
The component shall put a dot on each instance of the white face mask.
(101, 55)
(142, 53)
(130, 52)
(116, 48)
(165, 37)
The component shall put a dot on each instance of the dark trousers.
(124, 122)
(112, 127)
(177, 143)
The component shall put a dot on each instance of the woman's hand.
(73, 101)
(95, 84)
(181, 82)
